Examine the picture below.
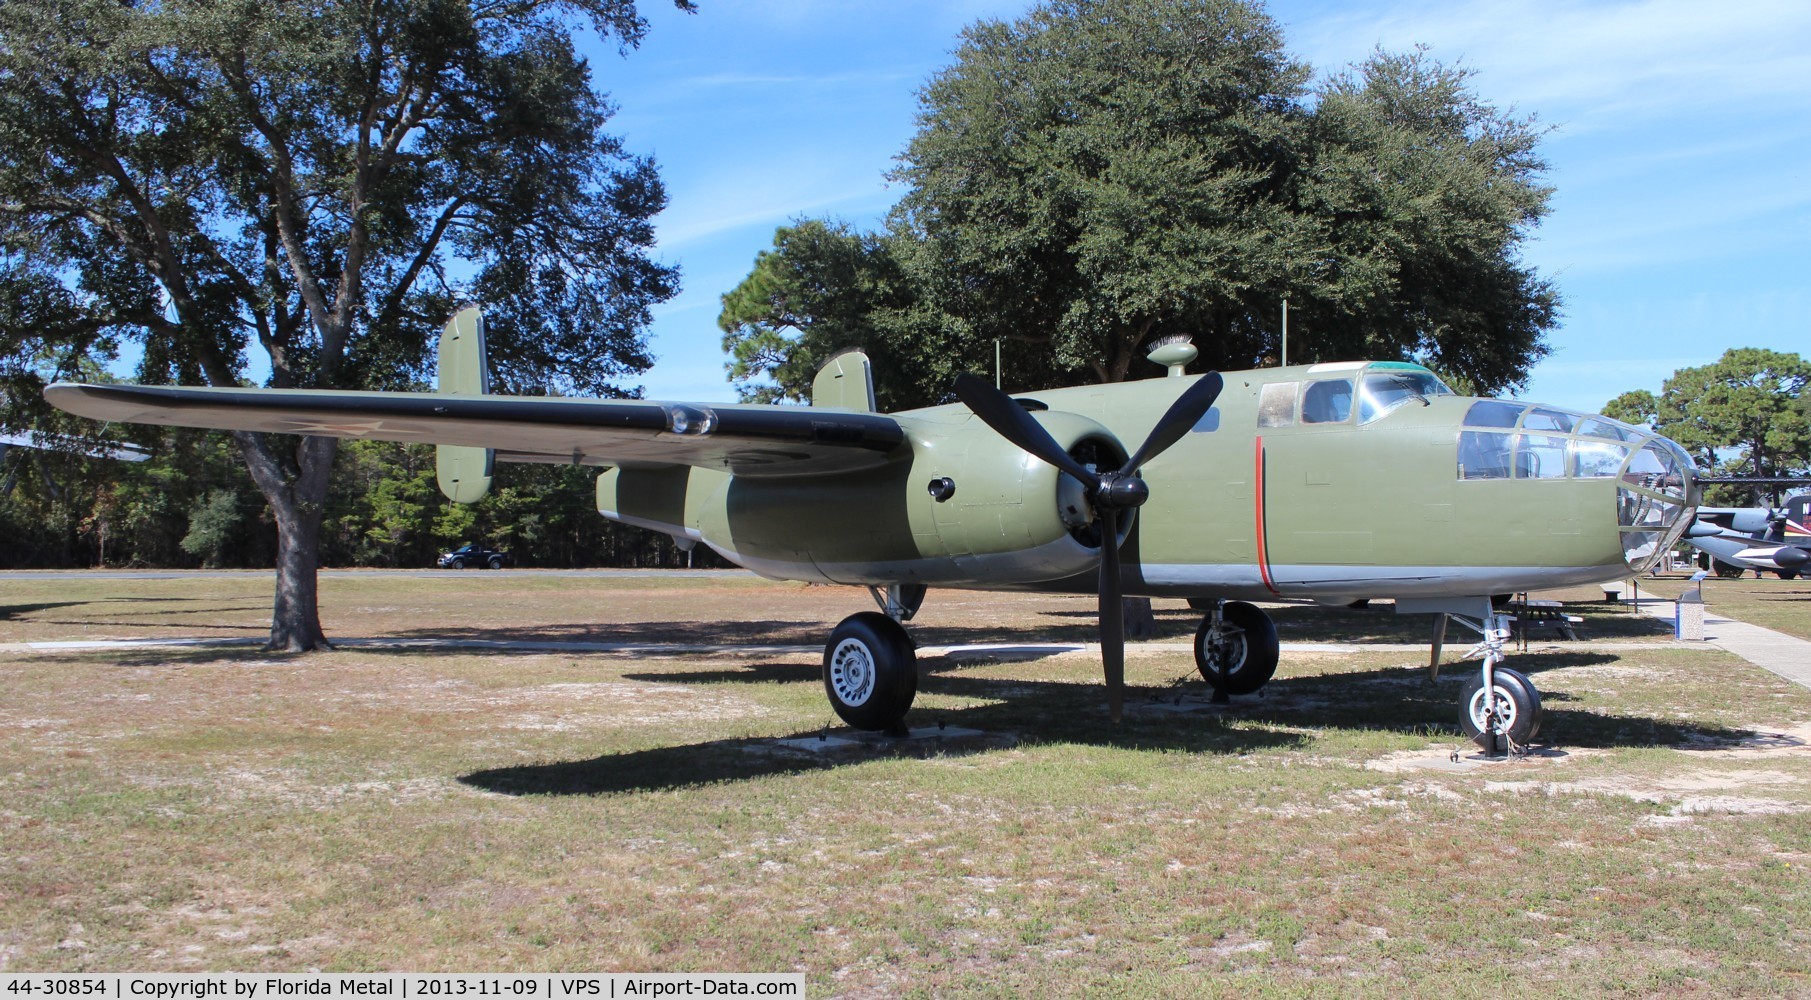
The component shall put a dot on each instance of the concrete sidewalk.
(1785, 655)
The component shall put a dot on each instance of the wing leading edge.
(748, 440)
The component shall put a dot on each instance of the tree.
(1637, 406)
(1100, 174)
(324, 180)
(1750, 401)
(823, 288)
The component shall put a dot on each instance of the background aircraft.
(1769, 538)
(1329, 482)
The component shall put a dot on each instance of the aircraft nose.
(1655, 500)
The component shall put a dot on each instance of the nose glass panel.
(1651, 503)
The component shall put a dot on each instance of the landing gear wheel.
(1516, 713)
(1245, 646)
(870, 671)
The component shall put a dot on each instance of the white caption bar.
(397, 985)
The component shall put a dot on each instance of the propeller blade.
(1184, 413)
(1112, 613)
(1011, 421)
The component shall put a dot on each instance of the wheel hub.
(852, 672)
(1493, 714)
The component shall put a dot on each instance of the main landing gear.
(1235, 648)
(1499, 709)
(871, 665)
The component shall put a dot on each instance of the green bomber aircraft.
(1330, 483)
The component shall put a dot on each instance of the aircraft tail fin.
(464, 472)
(845, 381)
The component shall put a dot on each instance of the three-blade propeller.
(1108, 492)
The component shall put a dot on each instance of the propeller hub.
(1121, 491)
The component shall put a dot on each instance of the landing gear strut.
(1499, 709)
(1235, 648)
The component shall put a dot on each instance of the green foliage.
(1100, 174)
(188, 506)
(1749, 401)
(216, 525)
(823, 288)
(324, 180)
(1637, 406)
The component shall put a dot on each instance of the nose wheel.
(1499, 709)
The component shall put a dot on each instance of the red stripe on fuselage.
(1258, 496)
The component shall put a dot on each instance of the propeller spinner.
(1108, 492)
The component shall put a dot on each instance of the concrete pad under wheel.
(843, 739)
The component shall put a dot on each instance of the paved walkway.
(1785, 655)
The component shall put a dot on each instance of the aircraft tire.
(1249, 648)
(1523, 710)
(870, 671)
(1786, 574)
(1728, 571)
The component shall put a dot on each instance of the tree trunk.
(297, 498)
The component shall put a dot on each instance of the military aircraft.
(1777, 539)
(1326, 482)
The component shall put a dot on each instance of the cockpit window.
(1542, 418)
(1328, 401)
(1655, 467)
(1493, 413)
(1538, 456)
(1381, 391)
(1484, 455)
(1597, 459)
(1605, 428)
(1276, 404)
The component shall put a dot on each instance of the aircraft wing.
(47, 442)
(745, 439)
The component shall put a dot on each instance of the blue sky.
(1680, 147)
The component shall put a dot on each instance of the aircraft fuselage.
(1275, 494)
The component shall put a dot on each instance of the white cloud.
(1592, 64)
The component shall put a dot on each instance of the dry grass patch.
(169, 809)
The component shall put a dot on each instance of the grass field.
(165, 809)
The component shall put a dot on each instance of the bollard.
(1688, 617)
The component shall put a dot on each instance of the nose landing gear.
(1499, 709)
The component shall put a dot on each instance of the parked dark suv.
(473, 555)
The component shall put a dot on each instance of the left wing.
(746, 439)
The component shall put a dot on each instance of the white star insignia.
(338, 428)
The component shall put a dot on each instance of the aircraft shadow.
(15, 610)
(1174, 719)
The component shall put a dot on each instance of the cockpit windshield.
(1387, 385)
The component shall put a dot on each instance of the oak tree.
(318, 183)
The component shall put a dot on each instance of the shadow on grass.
(1008, 711)
(16, 610)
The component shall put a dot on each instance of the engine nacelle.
(962, 506)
